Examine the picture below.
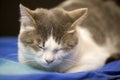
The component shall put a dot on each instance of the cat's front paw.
(83, 68)
(74, 70)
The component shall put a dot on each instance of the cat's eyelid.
(57, 49)
(40, 46)
(29, 42)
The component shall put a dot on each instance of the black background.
(9, 13)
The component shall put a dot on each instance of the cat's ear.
(78, 15)
(26, 18)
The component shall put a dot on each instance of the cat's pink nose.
(49, 60)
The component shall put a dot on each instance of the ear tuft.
(24, 11)
(75, 14)
(26, 16)
(78, 15)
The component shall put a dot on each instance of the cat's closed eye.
(29, 42)
(67, 48)
(41, 47)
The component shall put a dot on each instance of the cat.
(75, 36)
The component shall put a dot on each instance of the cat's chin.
(46, 65)
(49, 65)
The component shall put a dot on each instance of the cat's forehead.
(51, 16)
(52, 22)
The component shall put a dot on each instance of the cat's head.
(49, 36)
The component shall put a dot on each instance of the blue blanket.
(10, 69)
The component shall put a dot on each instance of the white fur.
(71, 31)
(26, 28)
(41, 56)
(51, 43)
(91, 56)
(86, 56)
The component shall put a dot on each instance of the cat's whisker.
(71, 61)
(13, 58)
(11, 55)
(28, 61)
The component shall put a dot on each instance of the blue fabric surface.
(14, 68)
(8, 50)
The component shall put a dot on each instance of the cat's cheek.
(25, 49)
(39, 60)
(39, 55)
(60, 56)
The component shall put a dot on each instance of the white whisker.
(70, 61)
(28, 61)
(10, 55)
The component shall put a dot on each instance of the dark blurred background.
(9, 13)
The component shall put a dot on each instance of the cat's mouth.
(51, 65)
(48, 65)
